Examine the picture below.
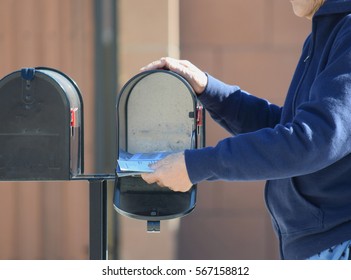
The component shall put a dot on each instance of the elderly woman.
(302, 149)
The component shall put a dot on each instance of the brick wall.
(252, 43)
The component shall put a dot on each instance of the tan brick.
(225, 235)
(264, 73)
(288, 30)
(222, 22)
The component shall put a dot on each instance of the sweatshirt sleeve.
(318, 135)
(236, 110)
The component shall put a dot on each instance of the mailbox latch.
(153, 226)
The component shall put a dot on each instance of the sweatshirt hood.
(334, 7)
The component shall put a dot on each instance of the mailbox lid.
(35, 133)
(136, 199)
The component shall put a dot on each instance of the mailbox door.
(155, 112)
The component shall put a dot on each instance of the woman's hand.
(196, 78)
(170, 172)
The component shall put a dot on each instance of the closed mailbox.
(41, 126)
(157, 111)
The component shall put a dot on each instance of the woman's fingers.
(196, 78)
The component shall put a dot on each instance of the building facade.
(254, 44)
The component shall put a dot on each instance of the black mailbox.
(41, 139)
(41, 126)
(156, 111)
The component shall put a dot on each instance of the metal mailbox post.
(156, 111)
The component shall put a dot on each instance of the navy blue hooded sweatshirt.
(302, 149)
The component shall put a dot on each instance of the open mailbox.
(41, 131)
(157, 111)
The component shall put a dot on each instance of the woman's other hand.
(196, 78)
